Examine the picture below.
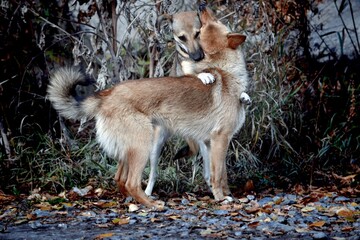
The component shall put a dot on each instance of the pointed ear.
(206, 16)
(235, 40)
(162, 18)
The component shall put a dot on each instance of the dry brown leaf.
(310, 199)
(44, 206)
(6, 198)
(299, 189)
(205, 198)
(21, 221)
(298, 205)
(255, 207)
(174, 217)
(103, 225)
(104, 235)
(30, 216)
(253, 224)
(278, 201)
(249, 186)
(347, 229)
(267, 209)
(345, 180)
(345, 212)
(317, 224)
(104, 204)
(155, 220)
(226, 207)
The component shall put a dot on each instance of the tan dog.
(127, 114)
(186, 32)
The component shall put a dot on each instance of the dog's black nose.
(197, 56)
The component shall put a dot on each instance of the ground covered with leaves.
(89, 213)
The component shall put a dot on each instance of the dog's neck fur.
(176, 69)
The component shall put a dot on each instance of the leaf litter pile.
(99, 214)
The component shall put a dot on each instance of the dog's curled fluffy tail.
(71, 93)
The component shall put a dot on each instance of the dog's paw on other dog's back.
(245, 98)
(206, 78)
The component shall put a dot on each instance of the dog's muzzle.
(197, 56)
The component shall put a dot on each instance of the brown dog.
(186, 32)
(127, 114)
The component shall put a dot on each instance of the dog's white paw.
(245, 98)
(227, 200)
(206, 78)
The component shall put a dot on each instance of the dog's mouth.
(183, 50)
(197, 55)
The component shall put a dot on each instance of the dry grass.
(286, 131)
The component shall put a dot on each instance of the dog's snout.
(197, 56)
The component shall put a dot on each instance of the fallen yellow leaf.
(155, 220)
(174, 217)
(121, 221)
(308, 209)
(345, 212)
(43, 204)
(103, 204)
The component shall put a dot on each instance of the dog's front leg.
(160, 137)
(218, 148)
(204, 151)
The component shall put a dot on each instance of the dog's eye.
(182, 38)
(197, 34)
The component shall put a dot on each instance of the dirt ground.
(317, 215)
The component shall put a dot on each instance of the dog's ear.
(163, 17)
(235, 40)
(206, 16)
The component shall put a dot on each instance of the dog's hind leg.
(160, 137)
(122, 175)
(218, 148)
(137, 157)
